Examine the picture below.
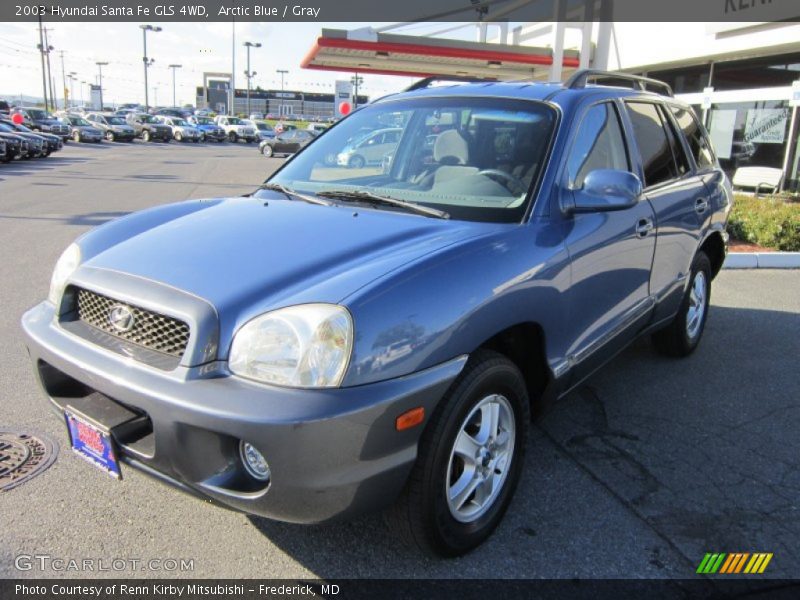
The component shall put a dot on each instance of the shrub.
(766, 221)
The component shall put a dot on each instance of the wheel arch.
(714, 247)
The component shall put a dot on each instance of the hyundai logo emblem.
(121, 318)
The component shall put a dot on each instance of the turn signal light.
(410, 418)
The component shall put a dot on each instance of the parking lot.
(638, 473)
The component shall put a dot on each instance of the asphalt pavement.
(638, 473)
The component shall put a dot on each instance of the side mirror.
(606, 190)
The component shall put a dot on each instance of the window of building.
(657, 160)
(599, 144)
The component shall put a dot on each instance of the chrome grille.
(149, 329)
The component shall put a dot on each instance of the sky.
(199, 47)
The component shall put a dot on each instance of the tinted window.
(598, 145)
(681, 160)
(651, 138)
(698, 143)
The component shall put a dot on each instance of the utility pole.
(47, 49)
(100, 66)
(282, 72)
(44, 74)
(147, 63)
(248, 73)
(356, 80)
(63, 79)
(232, 109)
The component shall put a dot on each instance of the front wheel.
(682, 335)
(469, 461)
(76, 135)
(232, 137)
(356, 162)
(267, 150)
(110, 136)
(145, 136)
(178, 136)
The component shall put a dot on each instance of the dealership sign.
(766, 125)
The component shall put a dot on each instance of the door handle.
(701, 205)
(643, 227)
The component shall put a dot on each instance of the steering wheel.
(512, 183)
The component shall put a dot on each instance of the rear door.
(610, 252)
(678, 198)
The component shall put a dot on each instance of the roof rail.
(427, 81)
(579, 79)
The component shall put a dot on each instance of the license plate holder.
(92, 442)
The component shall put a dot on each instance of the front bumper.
(332, 453)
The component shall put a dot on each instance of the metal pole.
(47, 49)
(788, 152)
(146, 98)
(280, 104)
(174, 97)
(247, 74)
(44, 75)
(63, 79)
(232, 110)
(100, 66)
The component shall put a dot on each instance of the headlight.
(65, 266)
(301, 346)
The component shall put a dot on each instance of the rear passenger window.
(698, 142)
(651, 137)
(599, 144)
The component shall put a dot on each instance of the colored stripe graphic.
(734, 562)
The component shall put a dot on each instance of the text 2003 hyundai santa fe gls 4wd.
(348, 339)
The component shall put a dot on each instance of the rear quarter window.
(698, 142)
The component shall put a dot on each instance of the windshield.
(37, 114)
(148, 119)
(204, 121)
(235, 121)
(474, 158)
(263, 127)
(179, 122)
(115, 121)
(79, 121)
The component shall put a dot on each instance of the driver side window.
(599, 144)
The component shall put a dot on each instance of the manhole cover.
(22, 456)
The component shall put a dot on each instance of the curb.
(762, 260)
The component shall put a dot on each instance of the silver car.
(114, 128)
(82, 130)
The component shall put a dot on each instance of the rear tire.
(467, 468)
(682, 335)
(267, 151)
(110, 136)
(356, 162)
(232, 137)
(145, 136)
(178, 136)
(76, 135)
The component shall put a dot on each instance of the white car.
(237, 129)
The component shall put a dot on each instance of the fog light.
(254, 461)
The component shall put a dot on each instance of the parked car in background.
(256, 116)
(203, 112)
(82, 130)
(149, 128)
(369, 149)
(36, 145)
(182, 130)
(3, 149)
(171, 112)
(52, 143)
(38, 119)
(16, 147)
(287, 142)
(282, 126)
(317, 127)
(114, 128)
(263, 130)
(210, 131)
(236, 129)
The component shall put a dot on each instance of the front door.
(611, 252)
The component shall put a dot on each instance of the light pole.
(71, 76)
(356, 80)
(83, 83)
(63, 79)
(173, 67)
(282, 72)
(248, 73)
(147, 63)
(100, 66)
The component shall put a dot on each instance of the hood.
(247, 258)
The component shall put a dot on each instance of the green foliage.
(766, 221)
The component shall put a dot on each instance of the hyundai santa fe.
(346, 340)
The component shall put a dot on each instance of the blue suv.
(347, 339)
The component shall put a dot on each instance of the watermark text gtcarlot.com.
(47, 562)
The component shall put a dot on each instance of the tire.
(267, 151)
(232, 137)
(424, 515)
(146, 136)
(356, 162)
(76, 136)
(110, 136)
(178, 136)
(682, 335)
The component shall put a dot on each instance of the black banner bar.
(757, 11)
(391, 589)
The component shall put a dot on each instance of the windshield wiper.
(289, 193)
(369, 197)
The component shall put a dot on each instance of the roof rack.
(427, 81)
(579, 79)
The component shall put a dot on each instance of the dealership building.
(215, 94)
(740, 77)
